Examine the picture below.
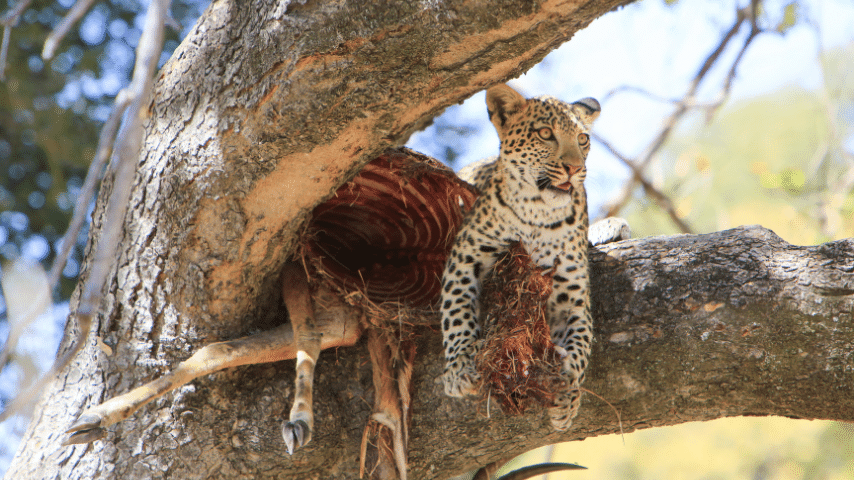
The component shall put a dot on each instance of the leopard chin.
(556, 198)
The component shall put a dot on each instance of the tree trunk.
(262, 112)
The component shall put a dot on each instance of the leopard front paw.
(461, 378)
(572, 366)
(565, 407)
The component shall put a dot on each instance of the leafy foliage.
(777, 160)
(50, 115)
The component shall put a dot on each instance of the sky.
(648, 45)
(662, 59)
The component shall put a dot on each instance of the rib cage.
(388, 231)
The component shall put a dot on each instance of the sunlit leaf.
(792, 179)
(790, 17)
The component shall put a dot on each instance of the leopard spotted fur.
(534, 194)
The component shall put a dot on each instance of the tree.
(45, 100)
(800, 185)
(256, 101)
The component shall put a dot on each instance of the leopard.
(532, 193)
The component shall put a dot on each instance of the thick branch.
(688, 328)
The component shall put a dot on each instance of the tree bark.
(262, 113)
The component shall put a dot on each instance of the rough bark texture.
(263, 111)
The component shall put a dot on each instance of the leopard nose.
(572, 169)
(571, 156)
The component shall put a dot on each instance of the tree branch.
(75, 13)
(9, 21)
(688, 328)
(129, 145)
(657, 195)
(747, 14)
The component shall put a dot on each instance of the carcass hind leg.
(337, 326)
(299, 427)
(391, 362)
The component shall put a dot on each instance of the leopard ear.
(501, 102)
(589, 109)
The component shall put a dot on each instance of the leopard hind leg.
(608, 230)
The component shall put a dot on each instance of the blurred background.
(715, 114)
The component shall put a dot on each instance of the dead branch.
(127, 155)
(687, 103)
(75, 13)
(9, 21)
(87, 191)
(657, 195)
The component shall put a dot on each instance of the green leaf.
(792, 179)
(790, 17)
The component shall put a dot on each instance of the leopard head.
(544, 139)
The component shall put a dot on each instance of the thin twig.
(660, 197)
(87, 192)
(640, 90)
(125, 157)
(741, 15)
(723, 95)
(688, 103)
(4, 50)
(681, 108)
(12, 16)
(9, 21)
(75, 13)
(616, 412)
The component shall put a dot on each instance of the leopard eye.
(583, 139)
(546, 133)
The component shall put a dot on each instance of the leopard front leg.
(571, 329)
(472, 256)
